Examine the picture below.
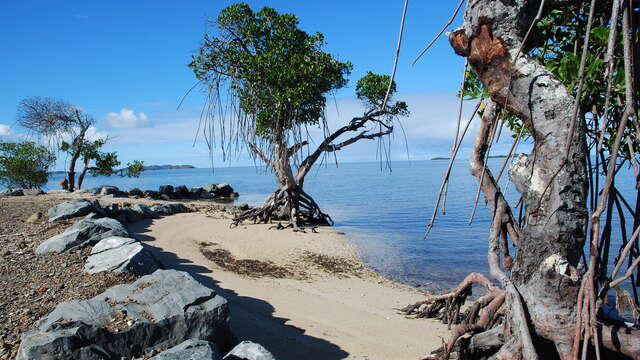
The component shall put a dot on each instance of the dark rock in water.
(181, 191)
(136, 192)
(74, 208)
(248, 350)
(12, 192)
(224, 190)
(170, 209)
(191, 350)
(85, 232)
(121, 255)
(211, 188)
(145, 211)
(157, 311)
(195, 192)
(166, 189)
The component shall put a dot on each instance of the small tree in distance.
(274, 78)
(56, 119)
(24, 165)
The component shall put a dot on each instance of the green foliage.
(105, 164)
(25, 165)
(277, 72)
(372, 88)
(135, 168)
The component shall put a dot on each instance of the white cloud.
(5, 130)
(127, 118)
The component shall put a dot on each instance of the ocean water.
(383, 213)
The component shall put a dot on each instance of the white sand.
(322, 317)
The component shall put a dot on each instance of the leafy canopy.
(277, 72)
(25, 165)
(372, 89)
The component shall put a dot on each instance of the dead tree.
(548, 302)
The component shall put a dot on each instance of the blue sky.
(125, 63)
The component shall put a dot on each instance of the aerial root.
(298, 208)
(446, 307)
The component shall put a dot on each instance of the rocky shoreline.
(114, 299)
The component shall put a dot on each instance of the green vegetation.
(24, 165)
(276, 77)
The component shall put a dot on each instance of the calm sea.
(383, 213)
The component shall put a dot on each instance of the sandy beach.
(301, 295)
(312, 314)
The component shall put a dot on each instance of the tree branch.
(259, 153)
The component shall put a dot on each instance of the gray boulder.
(170, 209)
(190, 350)
(151, 194)
(157, 311)
(74, 208)
(85, 232)
(145, 211)
(121, 255)
(12, 192)
(248, 350)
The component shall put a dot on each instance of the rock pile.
(220, 192)
(165, 311)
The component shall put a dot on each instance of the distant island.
(490, 157)
(168, 167)
(146, 168)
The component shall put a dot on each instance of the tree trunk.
(83, 173)
(553, 187)
(71, 174)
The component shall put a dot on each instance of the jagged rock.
(248, 350)
(191, 350)
(243, 206)
(145, 211)
(167, 197)
(12, 192)
(170, 209)
(85, 232)
(157, 311)
(166, 189)
(74, 208)
(136, 192)
(121, 255)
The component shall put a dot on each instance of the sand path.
(324, 316)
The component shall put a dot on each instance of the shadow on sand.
(251, 319)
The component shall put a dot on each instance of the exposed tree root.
(296, 207)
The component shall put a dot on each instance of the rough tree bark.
(553, 187)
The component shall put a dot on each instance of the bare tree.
(56, 119)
